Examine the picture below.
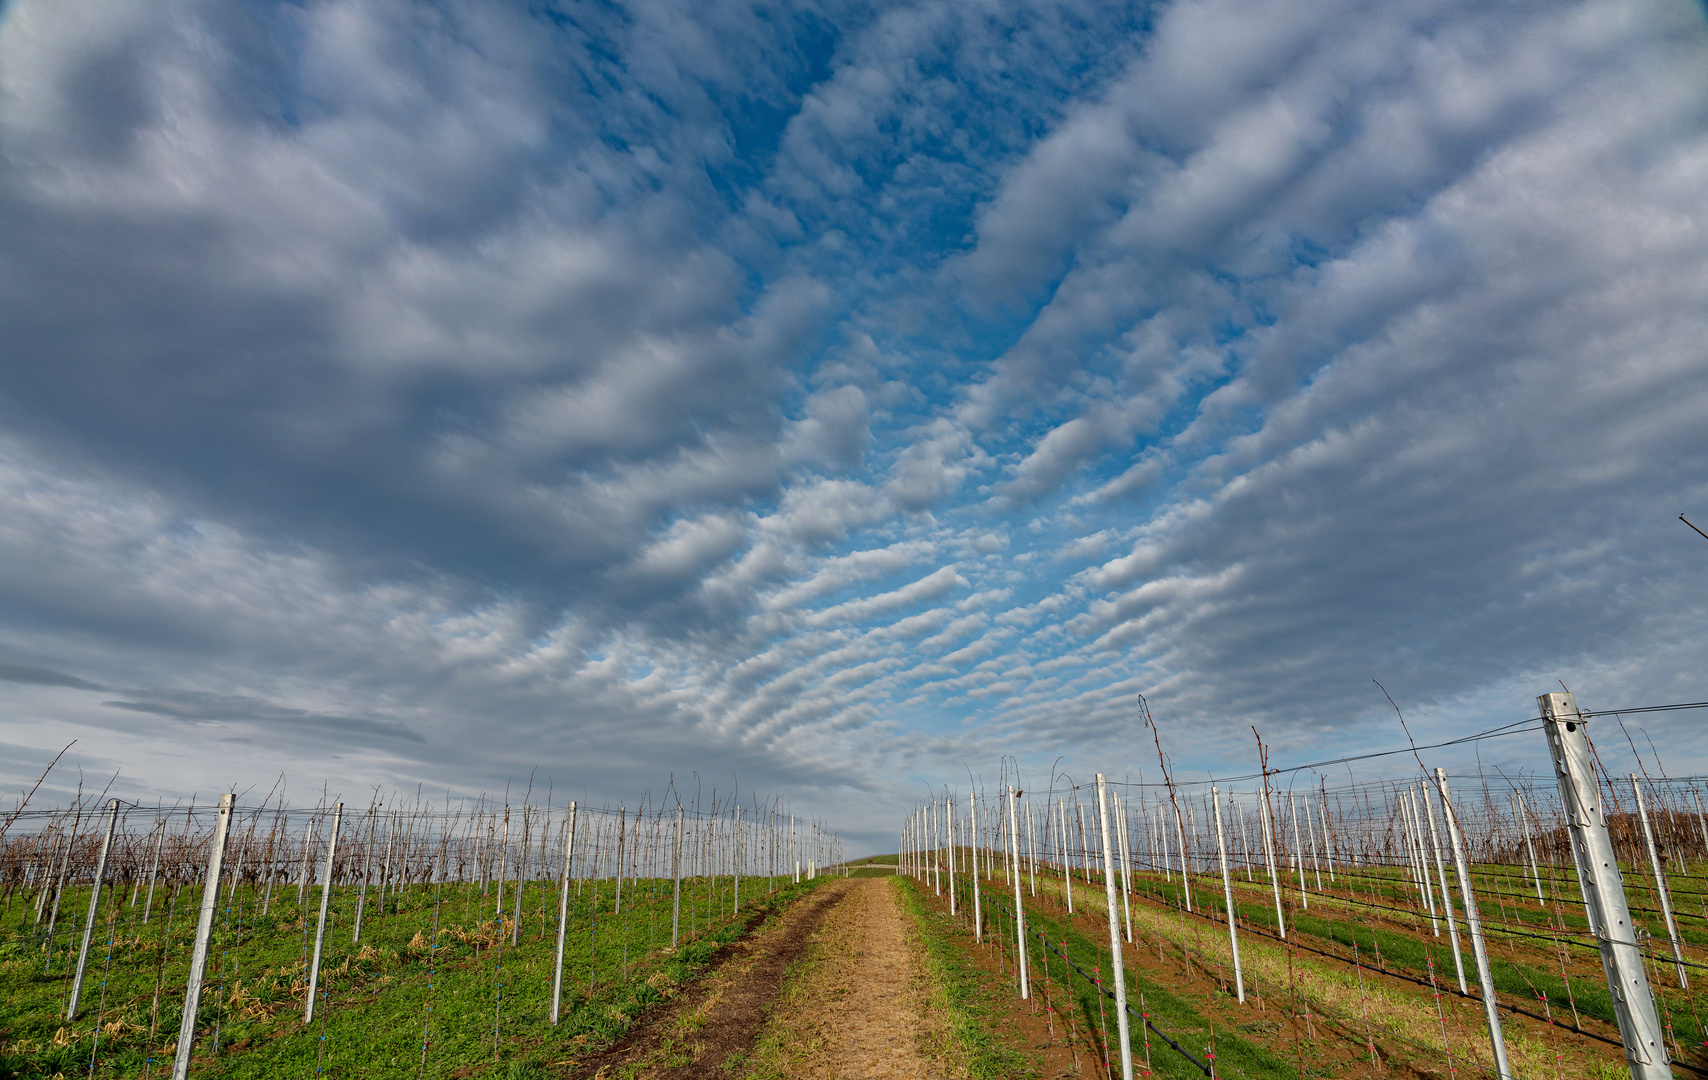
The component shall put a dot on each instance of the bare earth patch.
(711, 1026)
(857, 1005)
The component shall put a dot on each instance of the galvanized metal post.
(676, 875)
(367, 861)
(95, 906)
(1603, 888)
(1019, 911)
(563, 911)
(1474, 925)
(154, 872)
(1297, 850)
(1032, 846)
(1446, 896)
(1126, 866)
(1227, 892)
(1061, 835)
(735, 857)
(1117, 972)
(1519, 811)
(978, 911)
(199, 951)
(1660, 886)
(320, 924)
(1180, 833)
(1266, 827)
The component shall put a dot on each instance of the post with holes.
(1117, 972)
(1603, 889)
(563, 909)
(1227, 892)
(95, 907)
(1660, 885)
(199, 951)
(1019, 912)
(1474, 927)
(320, 924)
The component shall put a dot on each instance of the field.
(439, 981)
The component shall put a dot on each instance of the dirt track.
(857, 1006)
(835, 989)
(699, 1033)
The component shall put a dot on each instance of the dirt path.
(856, 1006)
(711, 1027)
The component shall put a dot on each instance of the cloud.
(747, 390)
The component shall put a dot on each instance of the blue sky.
(840, 396)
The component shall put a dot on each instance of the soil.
(715, 1022)
(858, 1006)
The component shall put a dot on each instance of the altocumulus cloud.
(831, 394)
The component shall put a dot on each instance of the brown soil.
(1034, 1025)
(716, 1021)
(857, 1006)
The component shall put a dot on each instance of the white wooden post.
(320, 924)
(1117, 971)
(199, 951)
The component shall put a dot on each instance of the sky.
(841, 399)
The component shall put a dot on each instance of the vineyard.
(408, 941)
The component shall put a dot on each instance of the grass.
(972, 1002)
(435, 985)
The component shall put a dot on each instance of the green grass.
(972, 1001)
(478, 1000)
(1172, 1013)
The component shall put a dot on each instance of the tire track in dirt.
(721, 1015)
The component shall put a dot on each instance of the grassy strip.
(972, 1001)
(403, 981)
(1169, 1010)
